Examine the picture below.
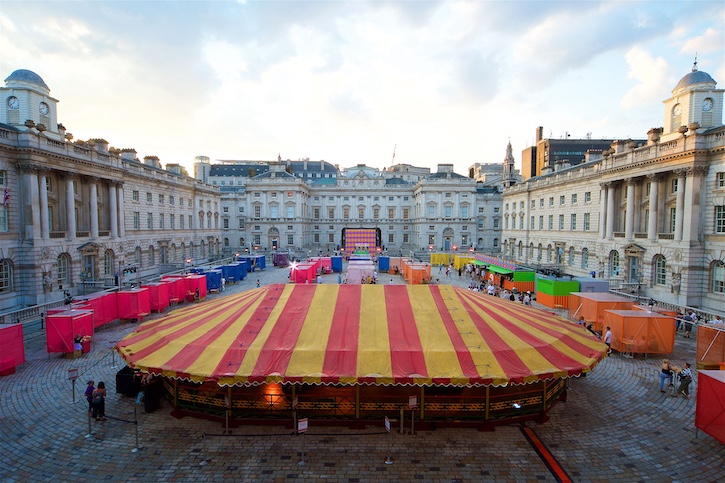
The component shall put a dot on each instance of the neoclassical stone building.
(77, 215)
(648, 215)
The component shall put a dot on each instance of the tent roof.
(361, 334)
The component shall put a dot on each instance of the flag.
(6, 197)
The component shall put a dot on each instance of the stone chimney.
(129, 154)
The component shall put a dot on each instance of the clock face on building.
(707, 104)
(44, 109)
(13, 103)
(677, 110)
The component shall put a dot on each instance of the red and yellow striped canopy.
(361, 334)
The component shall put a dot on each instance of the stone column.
(680, 207)
(94, 207)
(653, 206)
(30, 181)
(113, 209)
(70, 206)
(629, 220)
(43, 190)
(121, 212)
(603, 210)
(610, 211)
(693, 205)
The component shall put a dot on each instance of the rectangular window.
(673, 212)
(573, 221)
(134, 195)
(551, 222)
(241, 224)
(181, 202)
(464, 212)
(431, 239)
(136, 220)
(149, 221)
(290, 212)
(561, 222)
(573, 198)
(587, 221)
(273, 212)
(391, 213)
(495, 223)
(674, 185)
(316, 238)
(405, 213)
(4, 225)
(181, 220)
(561, 200)
(376, 213)
(290, 240)
(405, 238)
(257, 211)
(541, 203)
(161, 221)
(448, 195)
(649, 189)
(587, 197)
(171, 200)
(531, 223)
(720, 219)
(161, 199)
(148, 198)
(541, 222)
(551, 201)
(720, 180)
(448, 211)
(331, 238)
(431, 212)
(190, 221)
(361, 213)
(346, 213)
(331, 213)
(391, 238)
(172, 221)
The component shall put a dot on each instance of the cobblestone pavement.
(615, 426)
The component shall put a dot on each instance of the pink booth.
(359, 271)
(158, 296)
(195, 284)
(12, 349)
(303, 273)
(103, 304)
(61, 328)
(325, 263)
(133, 303)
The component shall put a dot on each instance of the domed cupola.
(695, 99)
(26, 97)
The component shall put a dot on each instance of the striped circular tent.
(422, 335)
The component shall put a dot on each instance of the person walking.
(608, 340)
(685, 376)
(689, 320)
(99, 402)
(258, 283)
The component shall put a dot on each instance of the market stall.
(213, 280)
(639, 332)
(336, 264)
(259, 262)
(133, 303)
(303, 273)
(61, 330)
(360, 272)
(158, 296)
(280, 259)
(12, 348)
(177, 288)
(593, 306)
(710, 346)
(438, 259)
(383, 264)
(196, 287)
(710, 407)
(554, 291)
(104, 307)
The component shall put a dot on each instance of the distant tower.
(508, 178)
(202, 168)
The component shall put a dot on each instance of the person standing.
(527, 298)
(665, 374)
(717, 320)
(224, 282)
(89, 395)
(685, 379)
(258, 283)
(689, 320)
(99, 402)
(608, 340)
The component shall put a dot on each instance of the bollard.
(90, 429)
(73, 382)
(302, 462)
(412, 422)
(388, 461)
(135, 423)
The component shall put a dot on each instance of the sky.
(376, 83)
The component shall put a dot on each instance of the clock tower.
(694, 99)
(26, 97)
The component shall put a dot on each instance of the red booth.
(303, 273)
(60, 329)
(133, 303)
(325, 263)
(158, 296)
(177, 288)
(196, 284)
(710, 408)
(12, 350)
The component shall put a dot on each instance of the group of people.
(96, 397)
(684, 374)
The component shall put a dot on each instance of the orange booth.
(594, 305)
(710, 408)
(710, 346)
(639, 332)
(417, 273)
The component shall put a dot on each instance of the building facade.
(648, 215)
(77, 215)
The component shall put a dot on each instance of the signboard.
(387, 424)
(413, 402)
(302, 425)
(294, 402)
(72, 374)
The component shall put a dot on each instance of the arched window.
(108, 263)
(226, 242)
(585, 258)
(152, 256)
(64, 274)
(571, 256)
(521, 250)
(717, 275)
(531, 250)
(540, 252)
(548, 253)
(660, 264)
(614, 263)
(6, 276)
(495, 242)
(137, 256)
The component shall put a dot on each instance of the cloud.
(711, 41)
(652, 76)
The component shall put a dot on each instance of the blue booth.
(213, 280)
(260, 261)
(336, 264)
(383, 264)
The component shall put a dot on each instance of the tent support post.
(357, 402)
(488, 405)
(422, 403)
